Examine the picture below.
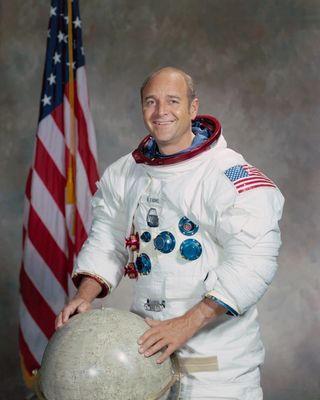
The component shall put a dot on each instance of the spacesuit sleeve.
(103, 254)
(248, 232)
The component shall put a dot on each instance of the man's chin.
(162, 140)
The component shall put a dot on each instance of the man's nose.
(162, 108)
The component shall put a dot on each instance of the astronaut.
(196, 226)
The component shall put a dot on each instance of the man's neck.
(172, 148)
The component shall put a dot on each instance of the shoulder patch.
(246, 177)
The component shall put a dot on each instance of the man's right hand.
(77, 305)
(87, 292)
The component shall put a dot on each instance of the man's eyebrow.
(172, 96)
(151, 96)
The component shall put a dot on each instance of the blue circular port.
(143, 264)
(190, 249)
(145, 237)
(187, 227)
(165, 242)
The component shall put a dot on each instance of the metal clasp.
(154, 305)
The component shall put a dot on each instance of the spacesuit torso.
(199, 233)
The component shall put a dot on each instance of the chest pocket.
(148, 213)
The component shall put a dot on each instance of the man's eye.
(173, 101)
(149, 102)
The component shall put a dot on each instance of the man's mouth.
(162, 122)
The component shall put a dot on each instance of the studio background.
(256, 67)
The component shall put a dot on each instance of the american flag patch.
(245, 177)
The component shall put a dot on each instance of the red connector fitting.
(133, 242)
(131, 271)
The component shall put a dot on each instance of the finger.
(155, 348)
(58, 321)
(152, 322)
(166, 354)
(149, 342)
(68, 310)
(65, 315)
(146, 335)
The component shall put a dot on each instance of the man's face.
(167, 113)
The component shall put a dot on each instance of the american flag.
(59, 187)
(246, 177)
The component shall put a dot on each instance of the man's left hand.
(172, 334)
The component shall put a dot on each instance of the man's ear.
(194, 106)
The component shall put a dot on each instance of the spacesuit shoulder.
(236, 172)
(119, 167)
(248, 204)
(227, 158)
(115, 175)
(239, 184)
(222, 160)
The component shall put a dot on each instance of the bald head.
(171, 70)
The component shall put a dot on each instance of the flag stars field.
(53, 11)
(62, 37)
(51, 79)
(57, 58)
(77, 23)
(73, 64)
(46, 100)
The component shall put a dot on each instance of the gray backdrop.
(256, 64)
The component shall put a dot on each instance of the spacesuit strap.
(190, 365)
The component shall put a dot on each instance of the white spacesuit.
(207, 226)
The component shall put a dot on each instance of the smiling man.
(201, 230)
(168, 109)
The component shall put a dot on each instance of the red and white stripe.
(254, 180)
(50, 243)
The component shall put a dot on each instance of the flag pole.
(71, 184)
(71, 159)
